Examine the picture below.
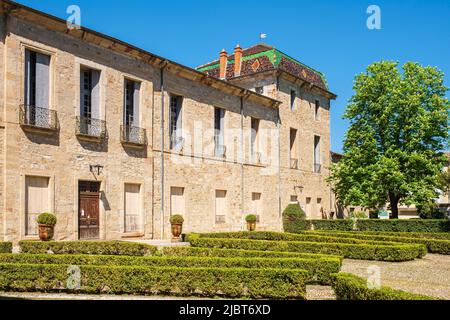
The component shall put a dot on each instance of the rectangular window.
(37, 89)
(254, 145)
(132, 205)
(317, 157)
(317, 110)
(219, 132)
(221, 206)
(293, 148)
(294, 199)
(36, 202)
(259, 90)
(131, 103)
(177, 205)
(89, 93)
(37, 79)
(293, 98)
(257, 205)
(176, 122)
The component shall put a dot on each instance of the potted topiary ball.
(176, 222)
(46, 222)
(251, 222)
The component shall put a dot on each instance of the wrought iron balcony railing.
(176, 143)
(38, 118)
(220, 151)
(317, 168)
(133, 135)
(91, 128)
(294, 163)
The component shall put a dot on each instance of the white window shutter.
(95, 94)
(222, 127)
(42, 80)
(179, 132)
(27, 78)
(137, 89)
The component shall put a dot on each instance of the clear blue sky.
(330, 36)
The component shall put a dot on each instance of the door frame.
(100, 210)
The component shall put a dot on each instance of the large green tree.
(399, 125)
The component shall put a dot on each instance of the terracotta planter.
(251, 226)
(46, 232)
(177, 229)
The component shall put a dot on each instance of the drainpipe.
(162, 152)
(279, 156)
(242, 161)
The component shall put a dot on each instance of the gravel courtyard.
(429, 276)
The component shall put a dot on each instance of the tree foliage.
(399, 125)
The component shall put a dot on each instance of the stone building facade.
(114, 140)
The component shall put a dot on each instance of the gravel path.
(429, 276)
(319, 293)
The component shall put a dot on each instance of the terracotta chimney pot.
(237, 60)
(223, 64)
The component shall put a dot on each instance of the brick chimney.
(237, 60)
(223, 64)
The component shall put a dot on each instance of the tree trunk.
(394, 205)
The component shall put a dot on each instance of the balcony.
(38, 120)
(317, 168)
(176, 144)
(133, 136)
(220, 151)
(294, 163)
(90, 129)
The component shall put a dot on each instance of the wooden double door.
(89, 210)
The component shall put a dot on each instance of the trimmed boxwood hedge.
(433, 245)
(88, 247)
(419, 225)
(266, 235)
(427, 235)
(229, 253)
(400, 252)
(6, 247)
(344, 225)
(350, 287)
(319, 269)
(294, 219)
(203, 282)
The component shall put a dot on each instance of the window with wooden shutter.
(90, 93)
(176, 122)
(36, 202)
(257, 205)
(177, 205)
(221, 206)
(219, 132)
(133, 212)
(317, 155)
(37, 79)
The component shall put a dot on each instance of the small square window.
(259, 90)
